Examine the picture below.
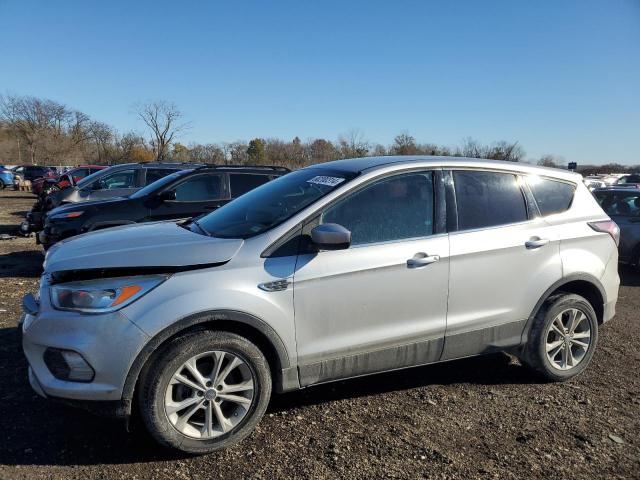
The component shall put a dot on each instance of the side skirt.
(393, 358)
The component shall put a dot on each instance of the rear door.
(195, 195)
(502, 259)
(380, 304)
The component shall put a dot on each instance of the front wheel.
(205, 391)
(563, 337)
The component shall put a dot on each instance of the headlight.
(102, 296)
(75, 214)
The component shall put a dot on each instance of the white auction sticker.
(324, 180)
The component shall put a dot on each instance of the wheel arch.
(249, 326)
(584, 285)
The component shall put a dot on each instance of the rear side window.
(396, 208)
(488, 199)
(242, 183)
(551, 196)
(154, 174)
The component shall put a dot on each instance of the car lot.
(484, 417)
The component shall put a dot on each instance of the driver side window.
(121, 179)
(392, 209)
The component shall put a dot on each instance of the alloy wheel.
(209, 394)
(568, 339)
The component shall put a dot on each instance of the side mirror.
(167, 195)
(331, 236)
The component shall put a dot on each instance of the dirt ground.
(485, 417)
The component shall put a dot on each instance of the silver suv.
(334, 271)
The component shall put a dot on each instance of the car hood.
(72, 207)
(150, 245)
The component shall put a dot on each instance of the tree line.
(45, 132)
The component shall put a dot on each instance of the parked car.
(31, 173)
(333, 271)
(116, 181)
(631, 180)
(181, 195)
(6, 177)
(623, 206)
(46, 185)
(34, 220)
(593, 182)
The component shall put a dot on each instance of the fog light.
(68, 365)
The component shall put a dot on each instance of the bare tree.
(164, 120)
(353, 144)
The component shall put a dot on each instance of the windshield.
(272, 203)
(158, 184)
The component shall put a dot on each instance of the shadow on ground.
(42, 432)
(27, 263)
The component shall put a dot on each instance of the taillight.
(607, 226)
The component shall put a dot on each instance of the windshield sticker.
(324, 180)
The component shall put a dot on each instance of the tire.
(161, 396)
(545, 335)
(2, 185)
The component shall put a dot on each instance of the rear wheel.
(2, 185)
(563, 338)
(205, 391)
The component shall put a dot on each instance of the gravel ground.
(485, 417)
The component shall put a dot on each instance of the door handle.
(421, 259)
(536, 242)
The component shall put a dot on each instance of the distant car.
(631, 180)
(623, 206)
(594, 182)
(181, 195)
(69, 178)
(116, 181)
(6, 177)
(31, 173)
(44, 187)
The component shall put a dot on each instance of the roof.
(358, 165)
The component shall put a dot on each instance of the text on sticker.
(324, 180)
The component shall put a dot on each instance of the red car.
(47, 184)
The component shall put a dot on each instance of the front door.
(118, 184)
(195, 195)
(380, 304)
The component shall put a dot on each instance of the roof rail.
(253, 167)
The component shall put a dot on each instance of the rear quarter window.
(551, 196)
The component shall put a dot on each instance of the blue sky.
(559, 76)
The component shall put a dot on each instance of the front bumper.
(48, 237)
(109, 343)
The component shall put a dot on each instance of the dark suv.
(116, 181)
(622, 204)
(181, 195)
